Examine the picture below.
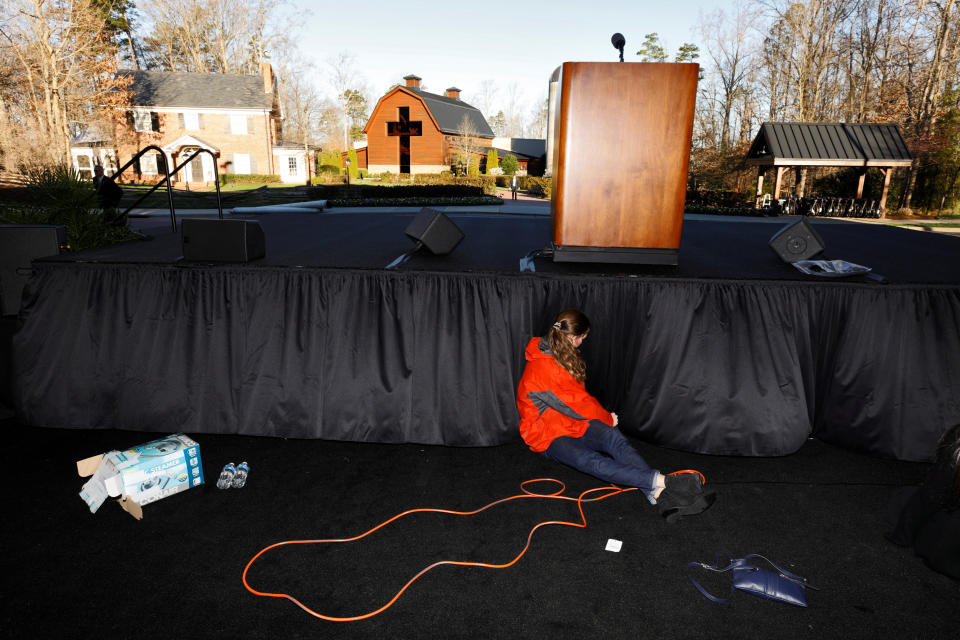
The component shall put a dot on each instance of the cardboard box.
(143, 474)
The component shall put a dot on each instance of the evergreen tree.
(354, 169)
(688, 53)
(509, 164)
(652, 51)
(492, 160)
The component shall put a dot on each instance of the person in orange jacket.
(559, 419)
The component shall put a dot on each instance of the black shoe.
(673, 508)
(685, 483)
(684, 496)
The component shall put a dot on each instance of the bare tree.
(514, 112)
(538, 118)
(728, 46)
(60, 67)
(485, 97)
(344, 78)
(220, 36)
(467, 145)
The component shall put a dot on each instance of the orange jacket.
(550, 400)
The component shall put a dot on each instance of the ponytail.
(569, 322)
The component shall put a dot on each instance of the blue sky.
(463, 43)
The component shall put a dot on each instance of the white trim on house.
(258, 110)
(105, 157)
(282, 156)
(188, 141)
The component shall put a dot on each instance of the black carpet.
(177, 573)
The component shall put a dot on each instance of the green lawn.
(234, 195)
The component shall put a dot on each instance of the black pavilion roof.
(829, 143)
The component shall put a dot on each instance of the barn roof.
(449, 113)
(446, 112)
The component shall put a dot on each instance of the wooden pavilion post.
(778, 183)
(860, 183)
(887, 173)
(760, 172)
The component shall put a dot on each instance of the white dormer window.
(238, 124)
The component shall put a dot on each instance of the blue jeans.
(604, 452)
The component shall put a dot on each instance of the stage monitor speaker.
(797, 241)
(222, 240)
(435, 231)
(20, 244)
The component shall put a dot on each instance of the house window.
(238, 125)
(84, 167)
(292, 166)
(191, 120)
(148, 164)
(109, 162)
(142, 121)
(241, 163)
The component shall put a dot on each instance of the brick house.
(236, 117)
(413, 131)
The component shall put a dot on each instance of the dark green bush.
(328, 168)
(717, 198)
(57, 195)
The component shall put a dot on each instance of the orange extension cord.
(556, 495)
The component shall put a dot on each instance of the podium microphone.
(618, 42)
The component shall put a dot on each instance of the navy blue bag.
(778, 585)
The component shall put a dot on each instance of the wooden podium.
(620, 156)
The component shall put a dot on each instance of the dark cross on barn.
(404, 129)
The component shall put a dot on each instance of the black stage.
(731, 352)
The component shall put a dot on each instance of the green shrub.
(57, 195)
(493, 161)
(328, 168)
(542, 187)
(248, 178)
(487, 183)
(374, 192)
(354, 169)
(332, 158)
(509, 164)
(328, 178)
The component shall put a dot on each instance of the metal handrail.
(216, 174)
(166, 180)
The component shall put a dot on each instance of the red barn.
(412, 131)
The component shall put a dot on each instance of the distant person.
(927, 517)
(560, 420)
(514, 186)
(108, 192)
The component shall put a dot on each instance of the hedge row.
(719, 199)
(415, 202)
(248, 178)
(370, 192)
